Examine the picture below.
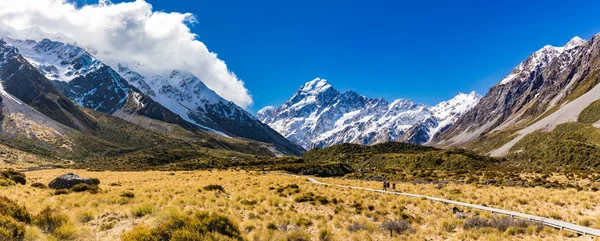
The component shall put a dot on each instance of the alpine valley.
(118, 123)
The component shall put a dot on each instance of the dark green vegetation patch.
(590, 114)
(569, 146)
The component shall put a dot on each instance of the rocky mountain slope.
(186, 95)
(318, 115)
(38, 119)
(90, 83)
(552, 86)
(180, 98)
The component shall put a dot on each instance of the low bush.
(140, 233)
(49, 220)
(249, 202)
(61, 192)
(297, 236)
(39, 185)
(307, 197)
(398, 226)
(12, 177)
(95, 181)
(11, 209)
(200, 226)
(11, 229)
(356, 226)
(85, 217)
(82, 187)
(65, 232)
(325, 235)
(214, 187)
(142, 210)
(127, 194)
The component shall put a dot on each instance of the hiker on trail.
(384, 185)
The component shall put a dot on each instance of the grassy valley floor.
(278, 207)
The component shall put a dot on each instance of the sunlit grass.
(277, 207)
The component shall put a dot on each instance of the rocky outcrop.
(68, 181)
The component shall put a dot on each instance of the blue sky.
(426, 51)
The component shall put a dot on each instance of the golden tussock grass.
(277, 207)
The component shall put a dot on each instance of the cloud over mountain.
(154, 42)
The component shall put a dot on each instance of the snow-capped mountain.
(539, 60)
(85, 80)
(189, 97)
(443, 116)
(318, 115)
(537, 84)
(178, 98)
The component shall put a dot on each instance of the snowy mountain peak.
(533, 64)
(465, 97)
(461, 103)
(318, 115)
(574, 42)
(315, 86)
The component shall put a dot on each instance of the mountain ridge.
(547, 89)
(93, 84)
(318, 115)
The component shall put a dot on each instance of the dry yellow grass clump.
(278, 207)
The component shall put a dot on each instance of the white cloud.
(131, 33)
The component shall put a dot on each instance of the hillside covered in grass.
(399, 155)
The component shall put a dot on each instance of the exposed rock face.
(189, 97)
(68, 181)
(318, 115)
(90, 83)
(179, 98)
(545, 79)
(22, 81)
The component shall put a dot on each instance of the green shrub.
(591, 114)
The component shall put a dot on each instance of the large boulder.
(68, 181)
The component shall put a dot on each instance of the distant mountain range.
(318, 115)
